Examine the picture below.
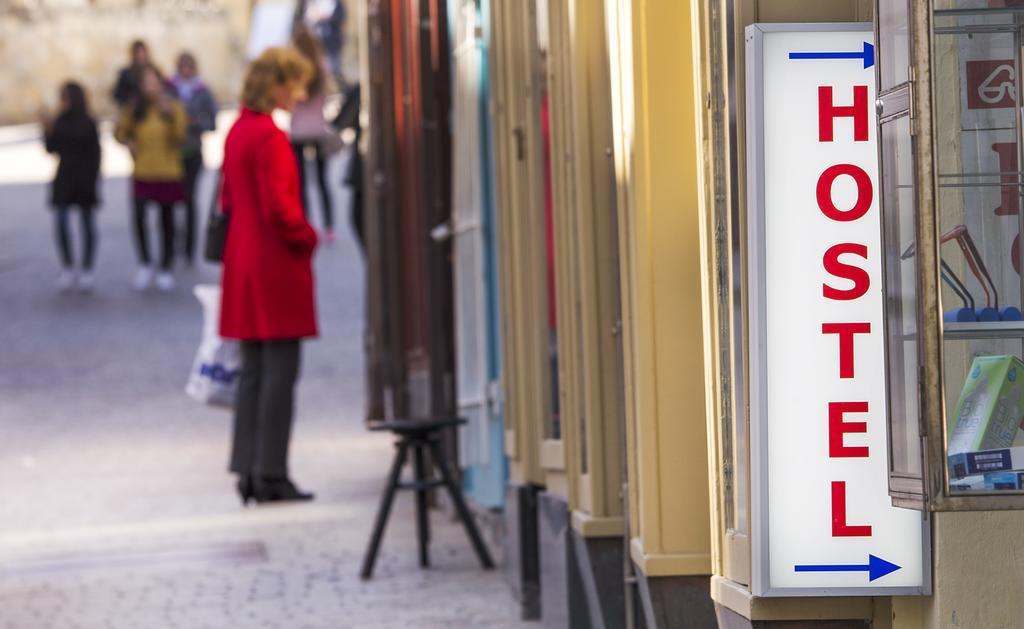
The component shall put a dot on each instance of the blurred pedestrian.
(72, 136)
(202, 117)
(309, 128)
(347, 123)
(154, 128)
(327, 20)
(126, 91)
(267, 299)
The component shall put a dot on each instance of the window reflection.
(893, 47)
(978, 131)
(901, 297)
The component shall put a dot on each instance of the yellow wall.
(978, 572)
(658, 173)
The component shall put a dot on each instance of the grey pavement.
(116, 509)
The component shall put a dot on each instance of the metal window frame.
(935, 495)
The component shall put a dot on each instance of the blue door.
(477, 345)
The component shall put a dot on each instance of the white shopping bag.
(214, 375)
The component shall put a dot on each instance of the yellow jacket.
(155, 141)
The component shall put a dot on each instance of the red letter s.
(860, 278)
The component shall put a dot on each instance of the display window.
(951, 201)
(977, 70)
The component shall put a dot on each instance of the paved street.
(116, 509)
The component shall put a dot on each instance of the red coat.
(267, 284)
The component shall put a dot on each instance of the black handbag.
(216, 228)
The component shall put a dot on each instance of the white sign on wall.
(823, 522)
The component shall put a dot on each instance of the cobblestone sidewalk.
(115, 509)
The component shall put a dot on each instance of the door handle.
(520, 143)
(441, 232)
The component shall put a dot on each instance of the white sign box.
(823, 522)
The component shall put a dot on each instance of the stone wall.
(45, 42)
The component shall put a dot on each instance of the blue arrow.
(875, 567)
(867, 54)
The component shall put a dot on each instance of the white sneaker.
(86, 282)
(65, 281)
(165, 281)
(143, 278)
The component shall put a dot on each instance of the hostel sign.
(823, 522)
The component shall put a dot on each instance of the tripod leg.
(461, 508)
(384, 510)
(422, 515)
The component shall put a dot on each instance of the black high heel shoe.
(245, 490)
(278, 490)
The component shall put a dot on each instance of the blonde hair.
(275, 66)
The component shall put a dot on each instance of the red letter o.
(865, 192)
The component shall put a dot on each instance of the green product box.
(988, 413)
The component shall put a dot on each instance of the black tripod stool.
(421, 437)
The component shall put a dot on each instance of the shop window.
(966, 284)
(977, 70)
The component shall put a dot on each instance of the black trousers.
(264, 408)
(166, 234)
(88, 235)
(356, 217)
(193, 167)
(321, 178)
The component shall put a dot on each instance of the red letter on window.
(837, 429)
(1007, 152)
(846, 332)
(827, 113)
(860, 278)
(839, 526)
(865, 192)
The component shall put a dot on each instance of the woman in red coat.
(267, 300)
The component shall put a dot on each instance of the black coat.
(75, 140)
(127, 88)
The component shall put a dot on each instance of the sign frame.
(756, 310)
